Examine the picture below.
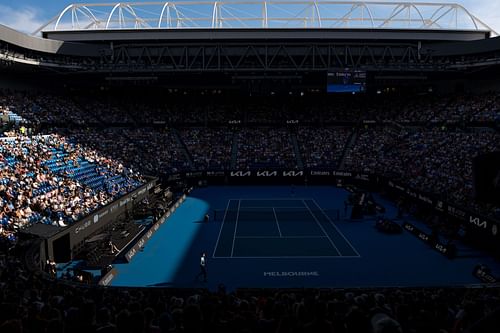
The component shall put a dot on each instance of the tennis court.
(271, 236)
(279, 228)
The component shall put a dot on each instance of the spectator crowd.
(32, 303)
(75, 155)
(436, 161)
(220, 110)
(47, 179)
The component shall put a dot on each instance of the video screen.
(347, 81)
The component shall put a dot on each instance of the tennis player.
(203, 268)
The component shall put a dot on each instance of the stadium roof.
(301, 14)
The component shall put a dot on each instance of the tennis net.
(283, 214)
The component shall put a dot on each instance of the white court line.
(264, 207)
(277, 224)
(331, 222)
(270, 199)
(284, 257)
(286, 237)
(236, 226)
(222, 225)
(291, 257)
(314, 217)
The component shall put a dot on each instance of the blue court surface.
(289, 237)
(279, 228)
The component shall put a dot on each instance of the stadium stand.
(323, 147)
(265, 148)
(410, 151)
(32, 304)
(94, 118)
(219, 141)
(49, 180)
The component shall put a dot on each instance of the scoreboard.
(347, 81)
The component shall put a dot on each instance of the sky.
(29, 15)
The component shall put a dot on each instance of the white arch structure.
(266, 14)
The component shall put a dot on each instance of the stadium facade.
(231, 42)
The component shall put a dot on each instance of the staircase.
(296, 150)
(350, 143)
(184, 149)
(234, 151)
